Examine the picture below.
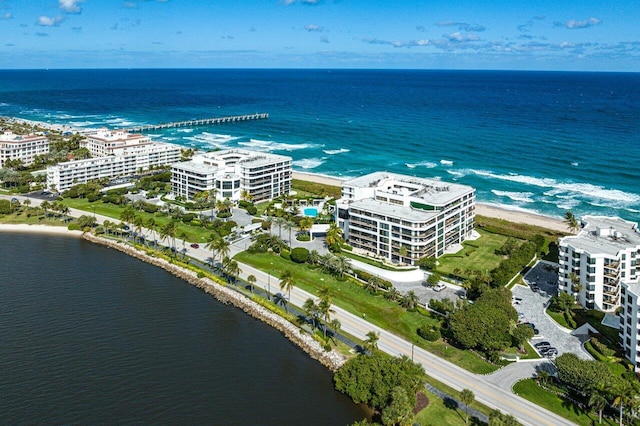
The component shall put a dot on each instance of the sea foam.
(427, 164)
(335, 151)
(309, 163)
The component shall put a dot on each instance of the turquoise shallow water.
(545, 142)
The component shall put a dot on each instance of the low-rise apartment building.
(404, 218)
(595, 262)
(112, 142)
(22, 147)
(125, 161)
(629, 318)
(229, 172)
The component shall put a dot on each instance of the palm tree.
(280, 221)
(334, 235)
(280, 299)
(314, 257)
(371, 344)
(246, 195)
(324, 307)
(218, 246)
(287, 282)
(64, 211)
(325, 294)
(571, 222)
(305, 224)
(289, 225)
(392, 294)
(311, 310)
(251, 279)
(598, 394)
(624, 394)
(409, 300)
(138, 223)
(372, 285)
(467, 397)
(231, 269)
(342, 265)
(169, 231)
(45, 205)
(151, 226)
(335, 325)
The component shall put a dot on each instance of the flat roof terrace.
(393, 210)
(429, 190)
(615, 234)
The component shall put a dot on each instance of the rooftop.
(9, 136)
(393, 210)
(607, 235)
(242, 156)
(430, 190)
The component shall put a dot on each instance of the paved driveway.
(533, 307)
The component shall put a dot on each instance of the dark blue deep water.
(540, 141)
(91, 336)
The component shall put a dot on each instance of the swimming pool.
(311, 212)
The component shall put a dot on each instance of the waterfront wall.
(332, 360)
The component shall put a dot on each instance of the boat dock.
(199, 122)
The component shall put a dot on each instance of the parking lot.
(532, 307)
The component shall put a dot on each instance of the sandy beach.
(39, 229)
(481, 209)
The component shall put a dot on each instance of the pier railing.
(199, 122)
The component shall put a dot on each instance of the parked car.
(439, 287)
(551, 352)
(535, 288)
(516, 300)
(541, 345)
(195, 246)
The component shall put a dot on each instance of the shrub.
(429, 333)
(303, 237)
(285, 255)
(200, 274)
(299, 254)
(150, 208)
(602, 348)
(443, 306)
(224, 214)
(186, 218)
(74, 227)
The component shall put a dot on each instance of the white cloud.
(579, 24)
(7, 16)
(45, 21)
(70, 6)
(313, 28)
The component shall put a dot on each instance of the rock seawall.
(332, 360)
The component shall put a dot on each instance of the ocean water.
(123, 342)
(544, 142)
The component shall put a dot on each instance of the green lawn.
(478, 255)
(529, 389)
(379, 311)
(456, 394)
(437, 413)
(31, 220)
(192, 233)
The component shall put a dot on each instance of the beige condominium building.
(404, 218)
(21, 147)
(229, 172)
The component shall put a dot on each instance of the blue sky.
(577, 35)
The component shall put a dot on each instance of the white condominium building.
(112, 142)
(126, 161)
(229, 172)
(18, 147)
(604, 253)
(404, 218)
(629, 317)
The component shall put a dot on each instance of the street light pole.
(269, 285)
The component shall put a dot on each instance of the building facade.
(18, 147)
(125, 161)
(227, 173)
(112, 142)
(629, 317)
(403, 218)
(594, 263)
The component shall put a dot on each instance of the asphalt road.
(485, 392)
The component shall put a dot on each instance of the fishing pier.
(199, 122)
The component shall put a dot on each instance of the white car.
(439, 287)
